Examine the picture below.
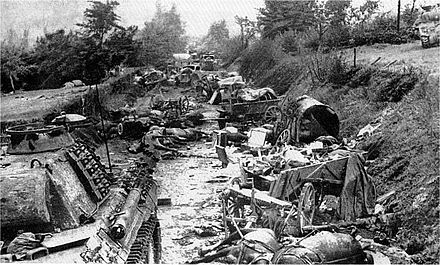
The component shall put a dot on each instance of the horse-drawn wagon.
(247, 104)
(300, 190)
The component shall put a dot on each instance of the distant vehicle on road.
(186, 74)
(207, 62)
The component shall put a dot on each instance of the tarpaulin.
(358, 194)
(249, 94)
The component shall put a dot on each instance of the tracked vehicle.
(53, 184)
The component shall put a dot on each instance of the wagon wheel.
(184, 105)
(283, 138)
(233, 206)
(272, 114)
(306, 206)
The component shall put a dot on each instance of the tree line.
(100, 43)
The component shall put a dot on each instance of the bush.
(290, 42)
(326, 67)
(259, 58)
(336, 37)
(382, 29)
(281, 76)
(392, 86)
(231, 50)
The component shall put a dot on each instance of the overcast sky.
(198, 15)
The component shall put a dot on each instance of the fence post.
(354, 56)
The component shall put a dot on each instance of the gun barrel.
(122, 222)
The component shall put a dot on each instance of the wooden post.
(398, 16)
(103, 130)
(354, 56)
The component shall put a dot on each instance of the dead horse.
(324, 247)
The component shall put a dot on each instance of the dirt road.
(191, 221)
(193, 184)
(402, 55)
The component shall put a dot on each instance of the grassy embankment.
(404, 98)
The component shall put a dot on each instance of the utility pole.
(398, 16)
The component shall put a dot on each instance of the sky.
(198, 15)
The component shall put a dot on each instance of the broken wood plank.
(68, 238)
(260, 196)
(164, 201)
(382, 199)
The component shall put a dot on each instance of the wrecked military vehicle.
(428, 25)
(59, 203)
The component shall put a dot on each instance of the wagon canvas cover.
(249, 94)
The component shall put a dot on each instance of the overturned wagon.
(306, 119)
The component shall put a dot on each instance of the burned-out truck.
(58, 187)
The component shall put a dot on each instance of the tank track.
(91, 172)
(134, 177)
(148, 237)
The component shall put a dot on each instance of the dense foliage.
(334, 23)
(161, 37)
(91, 52)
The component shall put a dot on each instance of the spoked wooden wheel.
(184, 105)
(306, 206)
(283, 138)
(233, 206)
(272, 115)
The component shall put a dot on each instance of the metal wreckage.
(269, 210)
(280, 209)
(58, 189)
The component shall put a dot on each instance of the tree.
(100, 19)
(105, 44)
(161, 37)
(14, 50)
(11, 64)
(123, 48)
(363, 13)
(331, 22)
(410, 14)
(218, 34)
(278, 17)
(60, 57)
(248, 29)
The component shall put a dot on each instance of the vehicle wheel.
(233, 206)
(184, 105)
(306, 206)
(272, 115)
(283, 138)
